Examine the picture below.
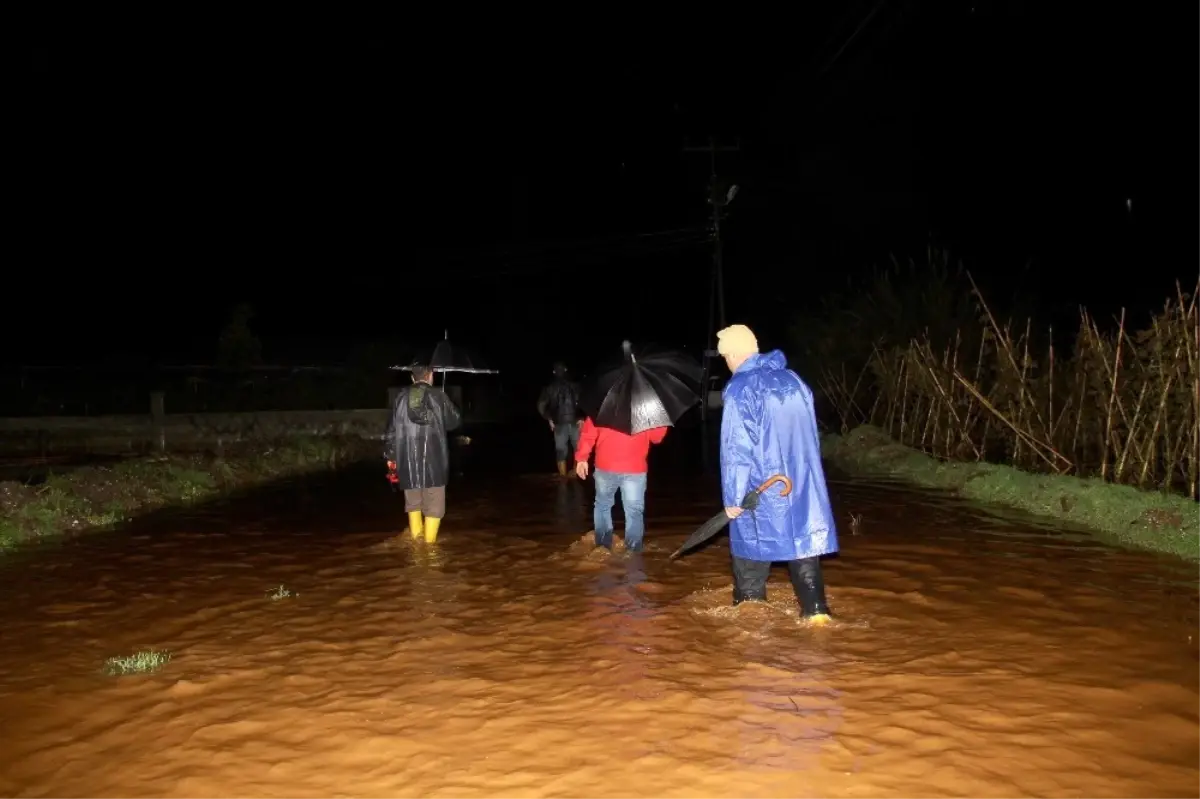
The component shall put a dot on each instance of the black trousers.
(750, 583)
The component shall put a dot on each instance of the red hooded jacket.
(616, 451)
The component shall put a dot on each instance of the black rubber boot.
(749, 580)
(809, 584)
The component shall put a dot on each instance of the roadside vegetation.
(99, 497)
(919, 356)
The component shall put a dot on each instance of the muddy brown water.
(971, 656)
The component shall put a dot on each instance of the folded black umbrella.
(718, 522)
(648, 388)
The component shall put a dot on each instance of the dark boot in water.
(749, 580)
(809, 584)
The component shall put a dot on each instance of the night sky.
(535, 199)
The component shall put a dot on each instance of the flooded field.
(970, 656)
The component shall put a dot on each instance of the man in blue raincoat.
(769, 427)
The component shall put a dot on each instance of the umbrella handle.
(770, 481)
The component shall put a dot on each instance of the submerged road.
(971, 655)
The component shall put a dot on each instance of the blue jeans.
(633, 501)
(566, 440)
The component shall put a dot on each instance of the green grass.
(1143, 519)
(143, 662)
(99, 497)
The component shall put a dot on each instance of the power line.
(546, 247)
(558, 254)
(861, 26)
(542, 265)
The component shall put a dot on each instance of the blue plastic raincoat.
(769, 427)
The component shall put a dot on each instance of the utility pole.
(719, 196)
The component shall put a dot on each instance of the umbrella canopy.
(648, 388)
(446, 357)
(718, 522)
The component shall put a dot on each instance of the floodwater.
(971, 656)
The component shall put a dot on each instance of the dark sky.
(367, 183)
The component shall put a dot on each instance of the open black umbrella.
(446, 357)
(718, 522)
(646, 389)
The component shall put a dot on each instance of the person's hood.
(771, 361)
(420, 410)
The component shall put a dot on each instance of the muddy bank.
(1120, 513)
(102, 495)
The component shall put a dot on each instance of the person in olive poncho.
(418, 452)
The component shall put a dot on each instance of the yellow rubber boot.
(562, 468)
(416, 524)
(431, 529)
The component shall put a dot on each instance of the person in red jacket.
(620, 464)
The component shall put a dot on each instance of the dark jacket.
(416, 436)
(559, 402)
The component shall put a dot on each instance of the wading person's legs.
(562, 440)
(572, 439)
(412, 504)
(433, 503)
(606, 493)
(750, 580)
(809, 584)
(633, 502)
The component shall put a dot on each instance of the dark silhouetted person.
(769, 427)
(416, 444)
(558, 404)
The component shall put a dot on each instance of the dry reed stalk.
(944, 396)
(952, 445)
(1050, 414)
(1006, 341)
(1131, 434)
(1112, 395)
(1192, 320)
(1022, 382)
(1085, 323)
(1034, 444)
(845, 400)
(974, 409)
(1113, 373)
(1167, 378)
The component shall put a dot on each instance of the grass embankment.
(1101, 427)
(1124, 514)
(99, 497)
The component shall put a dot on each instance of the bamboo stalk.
(1007, 342)
(1050, 411)
(1131, 435)
(1193, 357)
(1112, 398)
(974, 410)
(950, 407)
(1084, 328)
(1020, 433)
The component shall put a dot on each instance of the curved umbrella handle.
(770, 481)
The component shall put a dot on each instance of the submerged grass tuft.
(143, 662)
(280, 593)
